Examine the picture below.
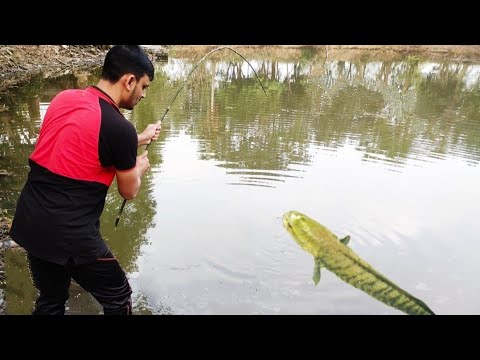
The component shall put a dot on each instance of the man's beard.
(131, 103)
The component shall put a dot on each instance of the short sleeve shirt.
(84, 139)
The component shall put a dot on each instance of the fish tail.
(364, 277)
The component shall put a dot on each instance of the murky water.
(387, 152)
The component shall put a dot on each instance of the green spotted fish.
(334, 254)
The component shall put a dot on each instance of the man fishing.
(84, 143)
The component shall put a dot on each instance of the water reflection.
(385, 151)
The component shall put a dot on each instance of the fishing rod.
(178, 92)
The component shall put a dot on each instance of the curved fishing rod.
(178, 92)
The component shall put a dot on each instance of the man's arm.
(129, 181)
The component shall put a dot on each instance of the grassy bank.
(338, 52)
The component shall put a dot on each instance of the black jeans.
(103, 278)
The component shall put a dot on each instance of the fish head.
(308, 233)
(291, 220)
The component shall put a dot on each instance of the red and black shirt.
(83, 140)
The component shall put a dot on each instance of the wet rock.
(2, 302)
(6, 241)
(9, 244)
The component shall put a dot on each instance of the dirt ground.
(19, 62)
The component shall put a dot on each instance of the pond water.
(384, 151)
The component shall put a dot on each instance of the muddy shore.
(18, 63)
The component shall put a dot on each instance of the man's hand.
(151, 133)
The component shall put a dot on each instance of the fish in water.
(334, 254)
